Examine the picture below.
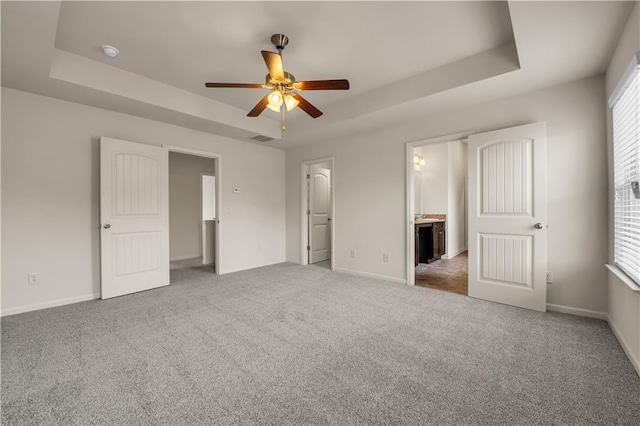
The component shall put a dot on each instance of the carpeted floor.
(288, 344)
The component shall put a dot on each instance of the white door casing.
(319, 216)
(134, 216)
(508, 216)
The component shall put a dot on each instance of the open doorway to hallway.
(440, 216)
(192, 211)
(317, 209)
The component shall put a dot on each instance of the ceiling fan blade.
(306, 106)
(260, 106)
(274, 64)
(235, 85)
(323, 85)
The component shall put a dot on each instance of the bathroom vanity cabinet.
(430, 241)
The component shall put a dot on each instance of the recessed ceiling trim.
(88, 73)
(500, 60)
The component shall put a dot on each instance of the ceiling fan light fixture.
(282, 84)
(290, 102)
(275, 99)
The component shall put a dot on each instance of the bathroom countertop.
(427, 221)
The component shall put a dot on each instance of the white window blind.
(626, 169)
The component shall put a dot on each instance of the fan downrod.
(280, 41)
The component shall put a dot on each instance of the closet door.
(134, 215)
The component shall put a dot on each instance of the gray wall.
(435, 179)
(456, 200)
(185, 226)
(371, 217)
(51, 196)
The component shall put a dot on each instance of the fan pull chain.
(283, 126)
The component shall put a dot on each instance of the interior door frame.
(410, 231)
(203, 230)
(218, 174)
(305, 168)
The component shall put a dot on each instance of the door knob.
(107, 226)
(538, 226)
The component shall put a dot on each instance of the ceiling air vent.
(261, 138)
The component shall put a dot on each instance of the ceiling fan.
(283, 85)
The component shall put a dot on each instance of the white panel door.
(319, 214)
(134, 215)
(508, 216)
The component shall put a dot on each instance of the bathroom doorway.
(439, 215)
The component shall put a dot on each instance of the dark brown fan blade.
(323, 85)
(235, 85)
(274, 64)
(260, 106)
(306, 106)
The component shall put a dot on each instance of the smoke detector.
(110, 51)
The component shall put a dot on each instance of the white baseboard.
(296, 261)
(451, 256)
(634, 361)
(50, 304)
(577, 311)
(195, 256)
(370, 275)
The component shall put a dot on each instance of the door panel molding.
(134, 215)
(305, 168)
(319, 213)
(507, 198)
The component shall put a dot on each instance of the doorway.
(507, 214)
(193, 210)
(135, 236)
(439, 175)
(317, 213)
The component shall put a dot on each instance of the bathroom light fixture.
(110, 51)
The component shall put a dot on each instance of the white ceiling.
(371, 44)
(405, 60)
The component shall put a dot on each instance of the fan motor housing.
(289, 79)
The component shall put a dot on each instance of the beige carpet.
(298, 345)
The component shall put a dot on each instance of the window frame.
(629, 77)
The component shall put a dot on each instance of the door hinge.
(308, 248)
(308, 212)
(308, 176)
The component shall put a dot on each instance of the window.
(626, 170)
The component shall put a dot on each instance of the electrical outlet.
(354, 254)
(549, 277)
(385, 257)
(33, 278)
